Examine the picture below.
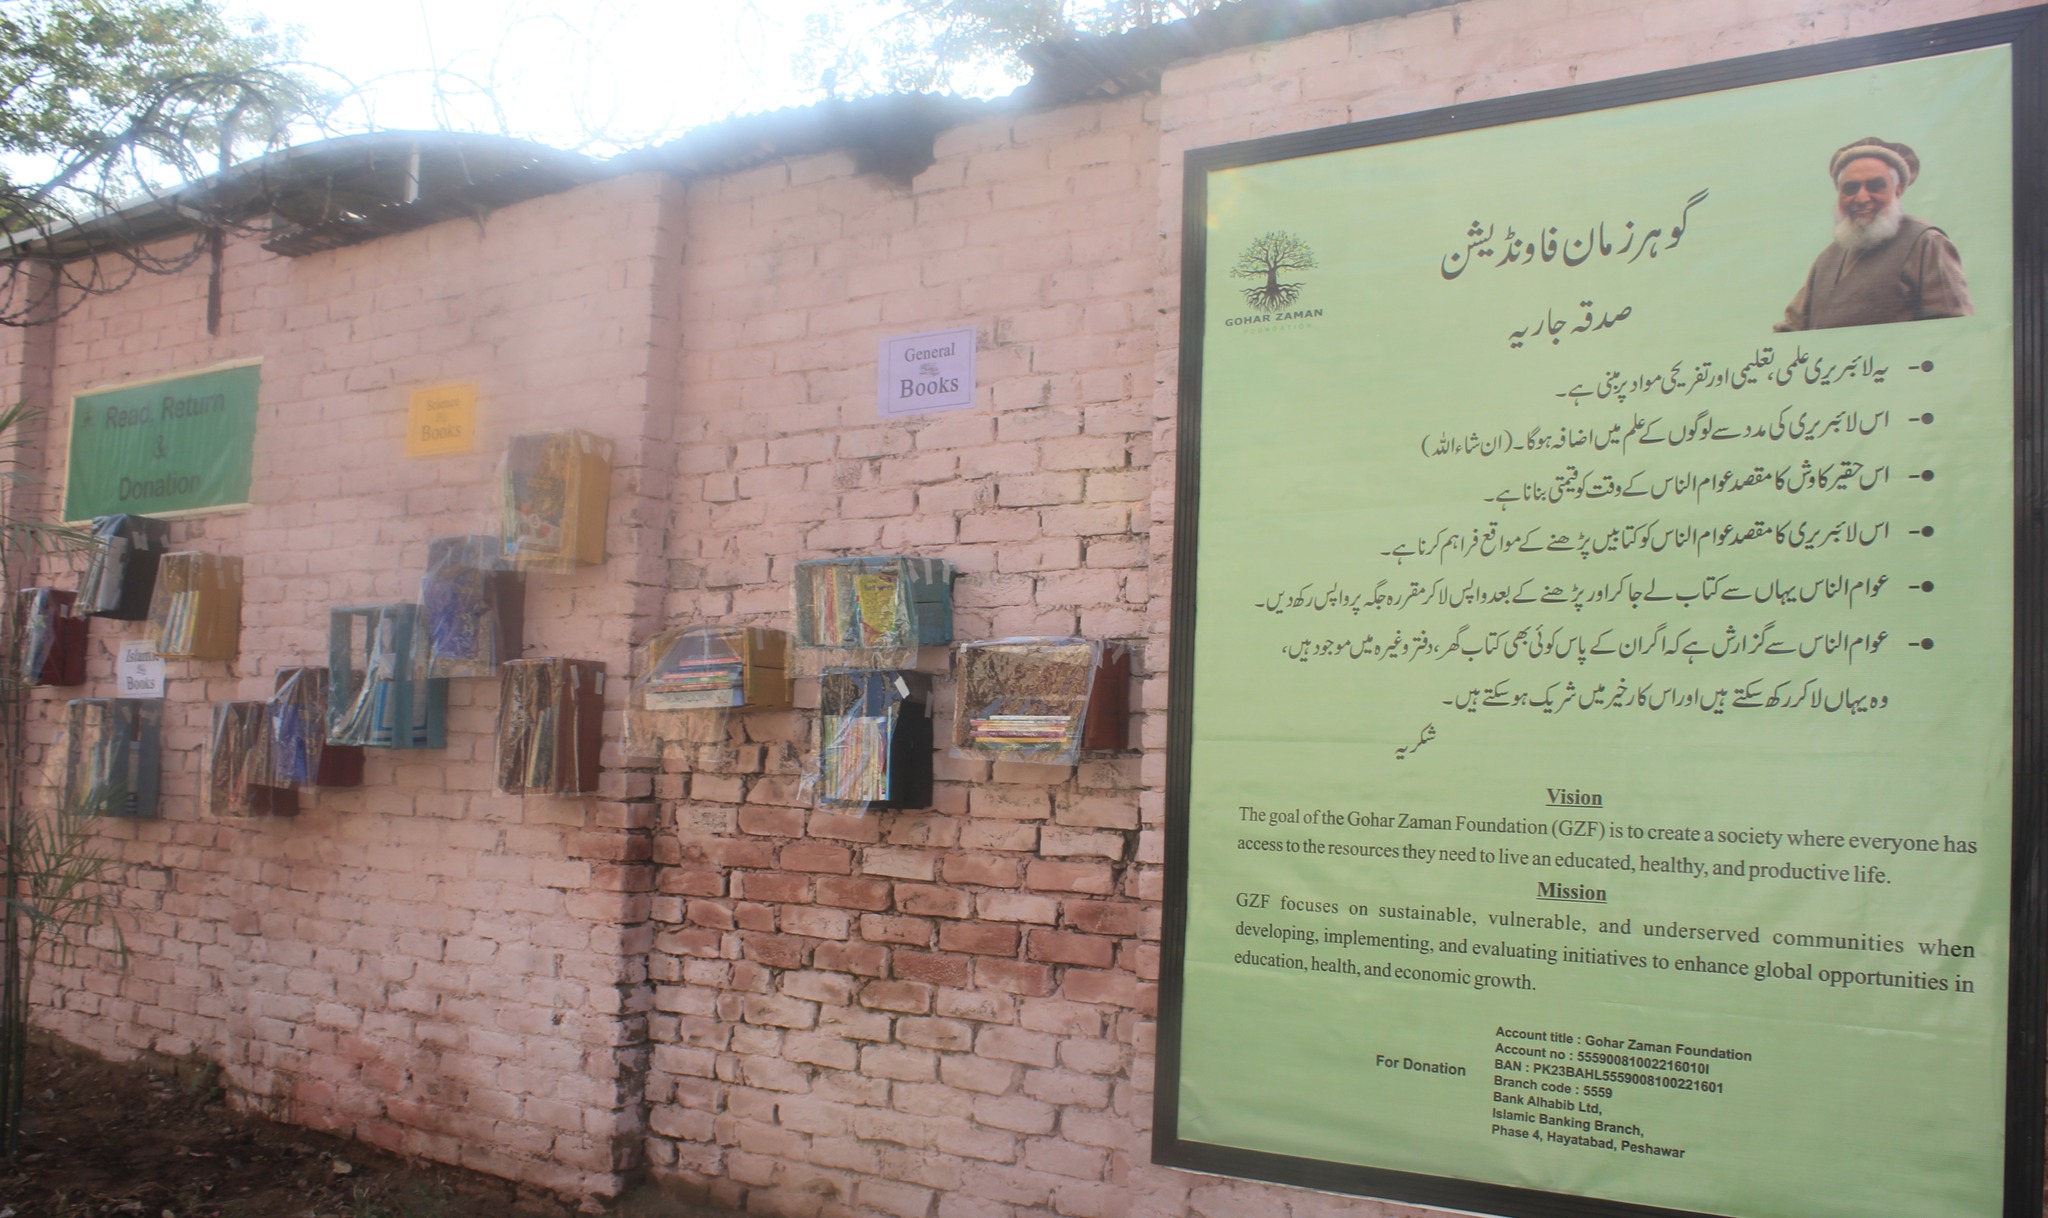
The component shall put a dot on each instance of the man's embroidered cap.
(1898, 156)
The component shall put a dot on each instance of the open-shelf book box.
(52, 637)
(555, 494)
(1041, 700)
(376, 698)
(871, 612)
(120, 574)
(474, 607)
(241, 764)
(550, 726)
(874, 740)
(196, 610)
(113, 755)
(298, 729)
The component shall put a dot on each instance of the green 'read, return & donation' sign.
(181, 444)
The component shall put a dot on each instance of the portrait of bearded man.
(1884, 265)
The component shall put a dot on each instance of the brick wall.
(944, 1013)
(921, 1011)
(419, 963)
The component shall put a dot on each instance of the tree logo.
(1264, 260)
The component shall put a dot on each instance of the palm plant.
(51, 865)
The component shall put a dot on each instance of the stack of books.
(550, 726)
(196, 610)
(121, 573)
(555, 494)
(241, 764)
(1021, 731)
(113, 755)
(376, 697)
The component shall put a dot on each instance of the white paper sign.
(925, 373)
(138, 673)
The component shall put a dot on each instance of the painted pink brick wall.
(895, 1013)
(941, 1014)
(421, 963)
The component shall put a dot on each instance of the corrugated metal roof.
(331, 193)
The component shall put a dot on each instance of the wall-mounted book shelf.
(120, 575)
(196, 611)
(376, 698)
(1040, 700)
(52, 637)
(241, 764)
(550, 726)
(555, 494)
(298, 729)
(474, 607)
(113, 755)
(871, 612)
(691, 678)
(874, 740)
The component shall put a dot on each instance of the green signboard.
(181, 444)
(1592, 786)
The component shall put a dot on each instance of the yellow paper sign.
(441, 419)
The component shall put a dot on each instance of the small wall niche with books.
(52, 637)
(1040, 700)
(241, 764)
(550, 726)
(120, 574)
(692, 678)
(874, 740)
(554, 491)
(474, 605)
(196, 611)
(298, 730)
(870, 612)
(376, 698)
(113, 755)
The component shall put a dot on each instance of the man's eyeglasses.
(1876, 186)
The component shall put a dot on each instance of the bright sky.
(597, 74)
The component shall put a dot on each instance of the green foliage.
(53, 898)
(960, 46)
(100, 98)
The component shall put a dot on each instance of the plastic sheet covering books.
(301, 756)
(874, 741)
(1039, 700)
(871, 612)
(113, 755)
(373, 698)
(474, 605)
(52, 637)
(691, 678)
(121, 573)
(196, 610)
(241, 764)
(550, 726)
(555, 491)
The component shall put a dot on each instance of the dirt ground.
(121, 1141)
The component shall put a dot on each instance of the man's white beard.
(1855, 237)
